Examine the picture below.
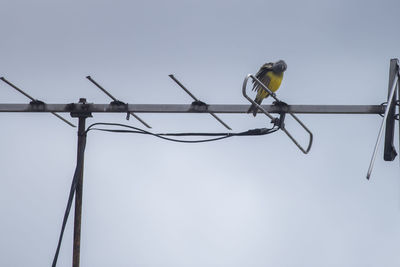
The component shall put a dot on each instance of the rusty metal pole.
(79, 186)
(78, 195)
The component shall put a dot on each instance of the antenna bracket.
(199, 106)
(80, 109)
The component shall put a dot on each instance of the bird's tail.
(253, 108)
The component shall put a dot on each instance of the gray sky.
(239, 202)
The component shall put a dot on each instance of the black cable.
(160, 136)
(78, 171)
(253, 132)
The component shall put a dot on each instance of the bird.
(271, 75)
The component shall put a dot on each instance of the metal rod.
(305, 151)
(221, 121)
(398, 109)
(31, 98)
(64, 120)
(183, 87)
(113, 98)
(259, 108)
(101, 88)
(16, 88)
(392, 90)
(186, 108)
(139, 119)
(196, 99)
(78, 193)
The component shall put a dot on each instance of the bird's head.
(279, 66)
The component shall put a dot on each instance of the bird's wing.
(262, 76)
(264, 68)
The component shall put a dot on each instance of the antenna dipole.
(116, 100)
(35, 100)
(197, 100)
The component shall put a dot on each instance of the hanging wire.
(132, 129)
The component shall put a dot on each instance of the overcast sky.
(253, 201)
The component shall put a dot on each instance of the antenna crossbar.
(185, 108)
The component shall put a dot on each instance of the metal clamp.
(283, 128)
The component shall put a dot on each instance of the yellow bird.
(271, 75)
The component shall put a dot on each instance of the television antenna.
(83, 110)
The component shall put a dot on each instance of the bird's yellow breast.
(275, 80)
(273, 85)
